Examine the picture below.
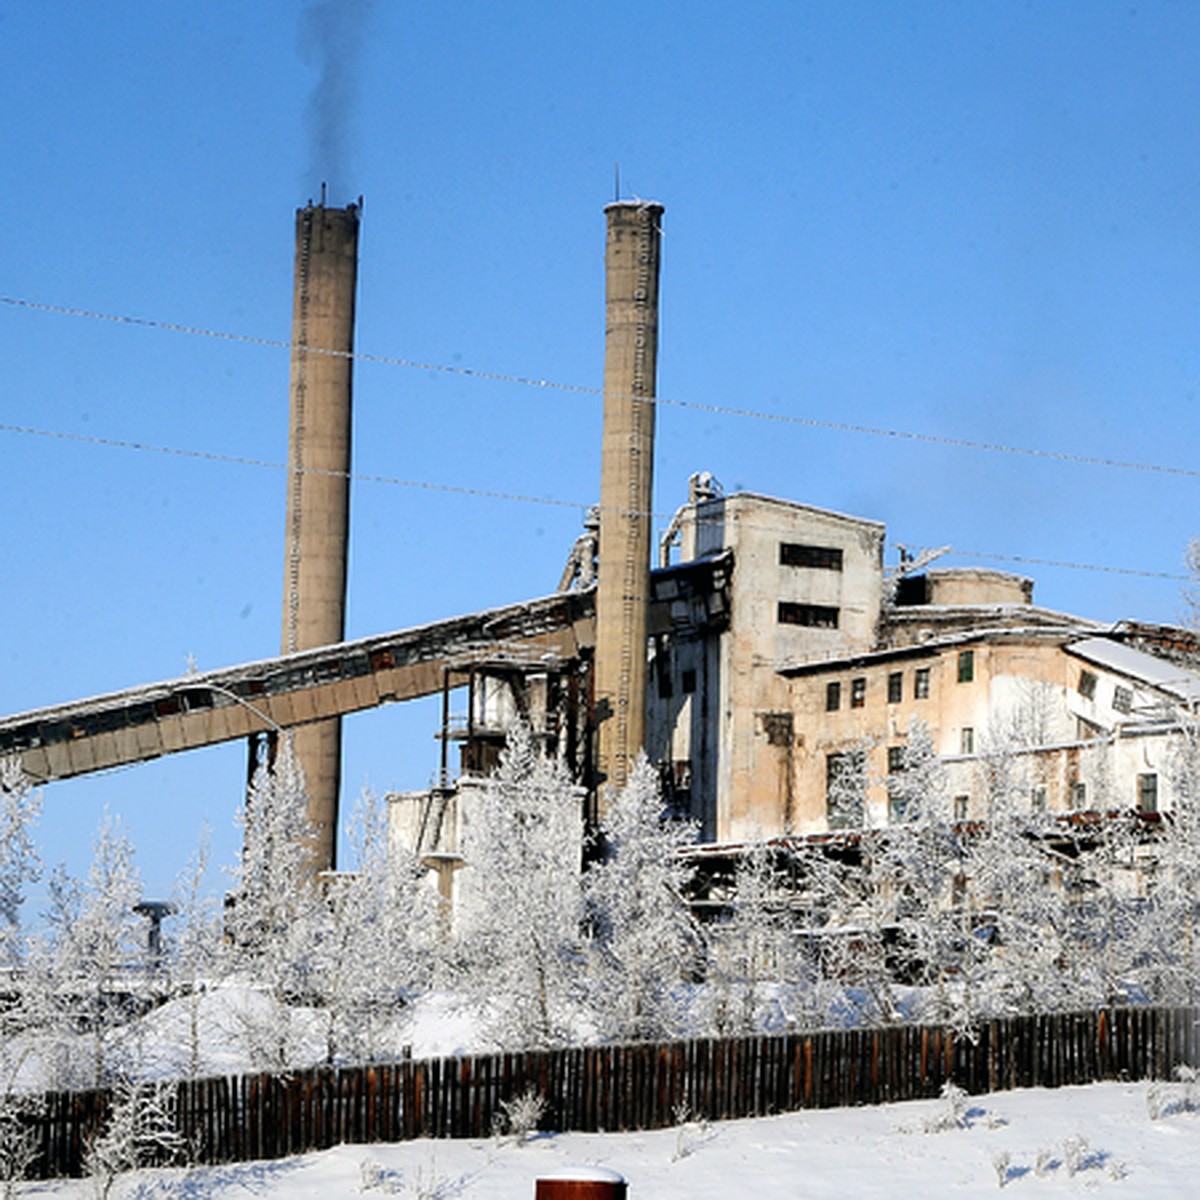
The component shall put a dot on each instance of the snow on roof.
(1159, 673)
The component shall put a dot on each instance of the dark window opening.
(1122, 699)
(1147, 793)
(921, 684)
(687, 681)
(895, 759)
(820, 558)
(778, 728)
(1087, 685)
(814, 616)
(895, 687)
(962, 805)
(833, 696)
(966, 666)
(858, 692)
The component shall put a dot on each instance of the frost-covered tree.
(377, 943)
(521, 910)
(277, 916)
(644, 941)
(195, 954)
(20, 806)
(754, 953)
(139, 1131)
(95, 946)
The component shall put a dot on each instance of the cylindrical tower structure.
(626, 485)
(318, 497)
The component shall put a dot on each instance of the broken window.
(833, 696)
(895, 687)
(921, 684)
(815, 616)
(858, 692)
(961, 805)
(820, 558)
(895, 759)
(1078, 794)
(1122, 699)
(778, 727)
(1087, 685)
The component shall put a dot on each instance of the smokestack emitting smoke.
(318, 500)
(332, 35)
(626, 484)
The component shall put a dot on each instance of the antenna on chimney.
(616, 181)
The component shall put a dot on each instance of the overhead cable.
(908, 435)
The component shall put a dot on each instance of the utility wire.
(492, 494)
(725, 410)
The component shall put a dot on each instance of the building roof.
(1159, 673)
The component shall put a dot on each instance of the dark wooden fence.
(639, 1086)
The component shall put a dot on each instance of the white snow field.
(1099, 1139)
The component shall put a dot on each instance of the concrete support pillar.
(626, 487)
(318, 498)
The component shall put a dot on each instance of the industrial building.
(768, 653)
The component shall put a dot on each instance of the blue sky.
(967, 220)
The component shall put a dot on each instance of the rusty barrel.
(582, 1183)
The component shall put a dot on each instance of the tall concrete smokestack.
(318, 500)
(626, 484)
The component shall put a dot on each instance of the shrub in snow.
(1001, 1161)
(691, 1132)
(140, 1131)
(19, 1142)
(520, 1115)
(951, 1112)
(1075, 1153)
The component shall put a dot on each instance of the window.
(967, 740)
(1037, 799)
(845, 789)
(815, 616)
(895, 757)
(921, 684)
(895, 687)
(833, 696)
(820, 558)
(1147, 793)
(897, 808)
(966, 666)
(1087, 685)
(688, 680)
(1078, 795)
(961, 806)
(1122, 699)
(858, 692)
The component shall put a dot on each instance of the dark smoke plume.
(332, 33)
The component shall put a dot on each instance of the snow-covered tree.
(754, 953)
(521, 910)
(20, 806)
(277, 915)
(195, 955)
(377, 944)
(95, 946)
(139, 1131)
(644, 941)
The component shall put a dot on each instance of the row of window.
(895, 685)
(846, 781)
(1122, 700)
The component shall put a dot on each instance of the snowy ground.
(1097, 1139)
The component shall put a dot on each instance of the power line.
(908, 435)
(493, 494)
